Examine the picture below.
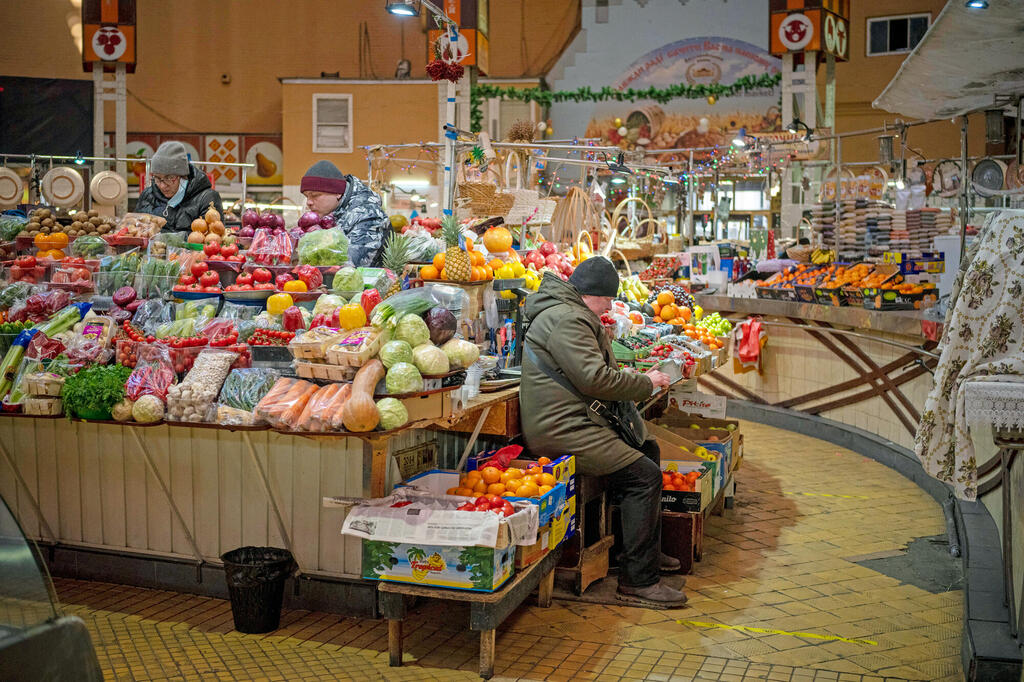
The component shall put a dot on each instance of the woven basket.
(525, 202)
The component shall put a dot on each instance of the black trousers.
(637, 489)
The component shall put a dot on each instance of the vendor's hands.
(659, 379)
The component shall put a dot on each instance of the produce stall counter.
(106, 497)
(865, 368)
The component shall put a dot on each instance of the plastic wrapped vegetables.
(156, 277)
(116, 272)
(323, 247)
(242, 391)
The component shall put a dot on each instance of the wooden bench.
(487, 610)
(585, 559)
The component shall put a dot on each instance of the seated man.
(565, 341)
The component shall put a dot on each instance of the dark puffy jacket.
(569, 337)
(198, 195)
(361, 217)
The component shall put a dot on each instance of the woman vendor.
(179, 191)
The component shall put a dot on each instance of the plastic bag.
(18, 292)
(116, 272)
(153, 373)
(89, 246)
(270, 249)
(139, 225)
(151, 314)
(285, 401)
(322, 406)
(18, 394)
(39, 306)
(201, 309)
(236, 311)
(88, 350)
(323, 247)
(422, 247)
(193, 400)
(245, 388)
(156, 277)
(159, 245)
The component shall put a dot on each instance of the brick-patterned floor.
(778, 596)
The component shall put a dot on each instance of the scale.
(513, 370)
(108, 190)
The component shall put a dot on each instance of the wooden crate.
(323, 371)
(502, 420)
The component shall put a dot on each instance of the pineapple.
(456, 260)
(395, 258)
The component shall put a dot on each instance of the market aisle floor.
(784, 592)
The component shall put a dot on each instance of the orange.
(478, 258)
(469, 245)
(464, 492)
(515, 472)
(478, 494)
(474, 274)
(496, 263)
(513, 484)
(491, 474)
(544, 490)
(495, 489)
(548, 480)
(429, 272)
(668, 312)
(475, 473)
(657, 309)
(529, 478)
(452, 491)
(488, 272)
(685, 313)
(507, 476)
(534, 470)
(480, 487)
(543, 461)
(439, 261)
(666, 297)
(528, 489)
(658, 319)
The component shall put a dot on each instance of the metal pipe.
(52, 157)
(833, 330)
(839, 192)
(964, 185)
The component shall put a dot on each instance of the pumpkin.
(360, 412)
(497, 239)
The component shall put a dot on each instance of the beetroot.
(124, 296)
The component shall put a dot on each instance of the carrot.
(291, 415)
(338, 406)
(311, 415)
(269, 403)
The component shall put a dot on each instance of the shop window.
(332, 124)
(896, 35)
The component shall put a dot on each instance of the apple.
(283, 279)
(546, 249)
(262, 275)
(566, 269)
(209, 279)
(244, 278)
(211, 250)
(186, 280)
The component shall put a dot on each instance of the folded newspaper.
(435, 520)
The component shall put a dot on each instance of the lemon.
(507, 295)
(505, 272)
(517, 269)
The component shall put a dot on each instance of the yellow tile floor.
(777, 597)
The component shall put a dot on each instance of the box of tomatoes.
(686, 486)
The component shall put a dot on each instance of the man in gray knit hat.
(179, 191)
(357, 210)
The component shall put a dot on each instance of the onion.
(247, 231)
(278, 221)
(278, 230)
(295, 232)
(327, 221)
(309, 219)
(266, 219)
(250, 218)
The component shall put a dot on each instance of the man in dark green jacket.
(179, 191)
(565, 336)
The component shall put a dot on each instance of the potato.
(93, 213)
(44, 213)
(33, 233)
(96, 220)
(32, 226)
(104, 229)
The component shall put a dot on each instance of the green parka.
(569, 337)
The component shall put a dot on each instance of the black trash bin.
(256, 577)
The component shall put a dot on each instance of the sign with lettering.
(703, 404)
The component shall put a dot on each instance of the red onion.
(278, 221)
(266, 219)
(327, 221)
(295, 232)
(247, 231)
(309, 219)
(250, 218)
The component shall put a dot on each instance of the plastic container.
(255, 577)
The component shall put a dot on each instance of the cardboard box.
(561, 524)
(439, 481)
(548, 504)
(430, 406)
(678, 447)
(479, 569)
(526, 555)
(684, 500)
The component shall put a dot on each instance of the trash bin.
(255, 577)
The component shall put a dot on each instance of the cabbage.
(395, 352)
(392, 413)
(148, 409)
(461, 354)
(347, 281)
(326, 304)
(413, 330)
(404, 378)
(430, 359)
(323, 247)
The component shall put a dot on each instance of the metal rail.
(849, 332)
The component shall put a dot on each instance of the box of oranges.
(522, 480)
(686, 486)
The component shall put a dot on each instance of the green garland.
(546, 98)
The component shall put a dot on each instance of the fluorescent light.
(618, 180)
(741, 138)
(976, 4)
(403, 183)
(403, 9)
(434, 204)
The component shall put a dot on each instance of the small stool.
(585, 558)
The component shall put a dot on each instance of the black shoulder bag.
(622, 416)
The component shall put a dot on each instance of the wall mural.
(683, 122)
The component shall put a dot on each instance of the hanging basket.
(574, 214)
(625, 261)
(525, 202)
(632, 247)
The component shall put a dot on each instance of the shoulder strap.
(551, 373)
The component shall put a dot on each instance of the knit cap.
(170, 158)
(323, 176)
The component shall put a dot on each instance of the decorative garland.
(585, 94)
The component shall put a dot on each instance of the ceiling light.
(403, 8)
(79, 161)
(976, 4)
(618, 180)
(741, 138)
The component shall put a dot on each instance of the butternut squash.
(360, 412)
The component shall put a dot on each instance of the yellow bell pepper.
(278, 303)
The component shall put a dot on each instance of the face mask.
(179, 195)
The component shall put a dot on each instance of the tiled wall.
(795, 363)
